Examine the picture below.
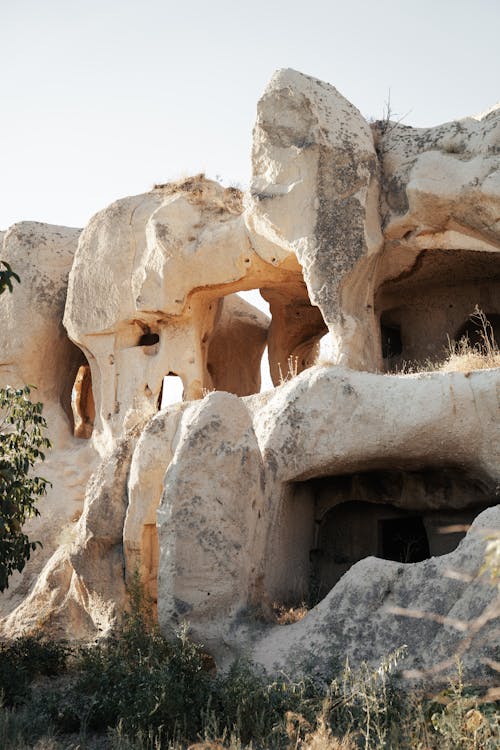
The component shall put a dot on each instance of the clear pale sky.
(103, 98)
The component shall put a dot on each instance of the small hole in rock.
(149, 339)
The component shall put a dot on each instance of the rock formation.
(348, 486)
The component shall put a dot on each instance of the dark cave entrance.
(403, 539)
(330, 523)
(354, 530)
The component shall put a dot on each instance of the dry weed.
(462, 355)
(322, 739)
(292, 371)
(198, 190)
(303, 736)
(284, 615)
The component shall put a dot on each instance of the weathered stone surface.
(327, 422)
(432, 608)
(314, 195)
(332, 488)
(208, 536)
(145, 297)
(151, 458)
(80, 592)
(35, 349)
(33, 343)
(442, 184)
(440, 206)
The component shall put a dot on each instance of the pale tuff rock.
(325, 423)
(314, 195)
(349, 485)
(81, 590)
(407, 606)
(35, 350)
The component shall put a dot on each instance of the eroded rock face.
(440, 207)
(34, 346)
(327, 423)
(430, 607)
(147, 298)
(314, 195)
(333, 488)
(35, 350)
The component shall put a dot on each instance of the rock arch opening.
(276, 322)
(330, 523)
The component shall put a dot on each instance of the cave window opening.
(237, 347)
(82, 403)
(261, 338)
(149, 339)
(296, 328)
(171, 391)
(403, 539)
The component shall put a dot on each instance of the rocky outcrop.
(80, 593)
(35, 350)
(440, 206)
(34, 346)
(343, 487)
(325, 423)
(439, 609)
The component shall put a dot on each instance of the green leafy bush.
(6, 277)
(22, 445)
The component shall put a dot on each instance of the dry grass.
(303, 736)
(292, 371)
(463, 356)
(284, 615)
(200, 191)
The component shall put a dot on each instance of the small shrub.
(140, 691)
(24, 659)
(461, 724)
(21, 728)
